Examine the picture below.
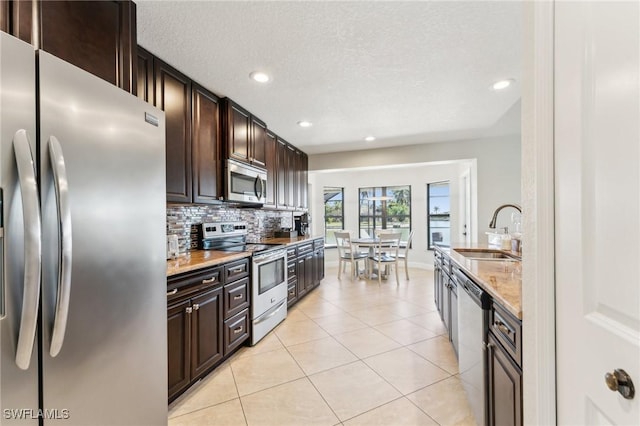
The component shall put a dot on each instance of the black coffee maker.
(302, 224)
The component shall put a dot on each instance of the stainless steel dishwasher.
(473, 317)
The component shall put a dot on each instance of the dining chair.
(379, 232)
(348, 253)
(404, 255)
(385, 254)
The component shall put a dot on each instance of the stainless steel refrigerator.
(83, 336)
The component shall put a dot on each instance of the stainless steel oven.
(246, 184)
(268, 291)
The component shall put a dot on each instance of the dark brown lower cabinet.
(179, 346)
(206, 331)
(194, 337)
(305, 268)
(318, 261)
(505, 386)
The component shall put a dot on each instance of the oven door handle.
(261, 260)
(270, 313)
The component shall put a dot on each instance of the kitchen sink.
(481, 254)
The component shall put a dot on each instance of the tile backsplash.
(262, 223)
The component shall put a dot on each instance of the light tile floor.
(350, 353)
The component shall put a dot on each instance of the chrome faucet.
(492, 224)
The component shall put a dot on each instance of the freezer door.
(18, 387)
(102, 170)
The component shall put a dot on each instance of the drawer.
(236, 331)
(292, 292)
(291, 269)
(319, 243)
(508, 330)
(305, 248)
(236, 270)
(187, 284)
(236, 297)
(291, 253)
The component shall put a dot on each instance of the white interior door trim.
(538, 278)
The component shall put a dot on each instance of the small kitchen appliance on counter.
(302, 224)
(172, 247)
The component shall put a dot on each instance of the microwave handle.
(258, 192)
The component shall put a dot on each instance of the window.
(438, 211)
(333, 213)
(386, 207)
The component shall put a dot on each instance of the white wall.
(497, 173)
(417, 176)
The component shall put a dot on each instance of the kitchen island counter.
(501, 279)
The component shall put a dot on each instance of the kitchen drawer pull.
(502, 327)
(172, 292)
(237, 269)
(189, 310)
(196, 306)
(210, 280)
(238, 297)
(238, 330)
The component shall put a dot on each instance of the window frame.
(378, 209)
(341, 216)
(430, 244)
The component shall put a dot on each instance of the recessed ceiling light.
(502, 84)
(259, 76)
(305, 123)
(370, 138)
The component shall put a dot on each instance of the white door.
(597, 145)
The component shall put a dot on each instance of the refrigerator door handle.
(61, 185)
(32, 247)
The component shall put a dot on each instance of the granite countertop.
(289, 241)
(198, 259)
(502, 280)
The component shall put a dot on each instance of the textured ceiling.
(405, 72)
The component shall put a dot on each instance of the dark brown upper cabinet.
(245, 135)
(271, 160)
(258, 142)
(99, 37)
(282, 193)
(292, 177)
(145, 78)
(206, 153)
(173, 96)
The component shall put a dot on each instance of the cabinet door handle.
(502, 327)
(238, 297)
(189, 310)
(238, 330)
(172, 292)
(196, 306)
(210, 280)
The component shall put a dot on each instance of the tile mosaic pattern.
(351, 353)
(181, 217)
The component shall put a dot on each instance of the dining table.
(371, 244)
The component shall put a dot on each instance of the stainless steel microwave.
(246, 184)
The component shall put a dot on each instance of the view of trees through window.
(333, 213)
(386, 207)
(439, 212)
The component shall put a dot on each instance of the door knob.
(620, 381)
